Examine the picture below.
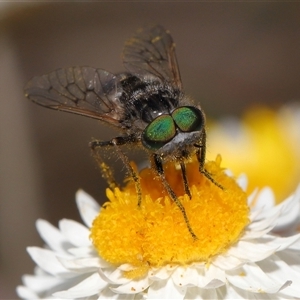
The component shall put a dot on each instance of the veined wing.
(84, 91)
(152, 51)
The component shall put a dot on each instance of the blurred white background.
(231, 55)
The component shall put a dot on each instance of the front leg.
(201, 154)
(184, 178)
(158, 167)
(106, 172)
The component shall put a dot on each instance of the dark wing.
(152, 50)
(84, 91)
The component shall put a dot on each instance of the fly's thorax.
(147, 98)
(144, 99)
(155, 101)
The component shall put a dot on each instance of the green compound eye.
(159, 132)
(188, 118)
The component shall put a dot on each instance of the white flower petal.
(295, 246)
(277, 270)
(287, 220)
(88, 207)
(208, 294)
(242, 181)
(115, 276)
(159, 274)
(39, 272)
(228, 172)
(52, 236)
(263, 224)
(82, 265)
(133, 287)
(234, 293)
(48, 261)
(227, 262)
(265, 199)
(39, 284)
(252, 278)
(197, 293)
(281, 243)
(250, 235)
(87, 287)
(26, 293)
(252, 197)
(259, 227)
(104, 264)
(188, 276)
(76, 233)
(251, 251)
(289, 211)
(214, 277)
(108, 294)
(290, 257)
(165, 289)
(88, 251)
(104, 277)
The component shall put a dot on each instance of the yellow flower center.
(155, 234)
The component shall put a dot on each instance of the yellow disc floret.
(155, 234)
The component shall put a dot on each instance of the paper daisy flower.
(130, 252)
(265, 138)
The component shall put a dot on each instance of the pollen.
(155, 234)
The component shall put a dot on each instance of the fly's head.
(171, 135)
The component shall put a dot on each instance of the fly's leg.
(106, 171)
(107, 174)
(133, 174)
(201, 153)
(158, 166)
(185, 181)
